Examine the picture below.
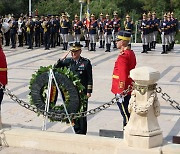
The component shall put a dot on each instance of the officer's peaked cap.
(101, 14)
(75, 46)
(92, 15)
(107, 15)
(123, 35)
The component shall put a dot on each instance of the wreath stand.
(52, 77)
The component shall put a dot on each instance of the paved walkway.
(22, 63)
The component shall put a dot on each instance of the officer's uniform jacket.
(108, 25)
(164, 27)
(124, 63)
(3, 68)
(151, 25)
(174, 24)
(53, 26)
(65, 26)
(116, 24)
(82, 68)
(37, 26)
(156, 22)
(13, 28)
(128, 26)
(93, 26)
(77, 25)
(144, 27)
(100, 24)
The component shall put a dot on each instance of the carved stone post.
(143, 130)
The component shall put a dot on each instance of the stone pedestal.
(143, 130)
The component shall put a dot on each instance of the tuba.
(28, 26)
(5, 27)
(44, 26)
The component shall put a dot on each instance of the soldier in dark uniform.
(128, 26)
(77, 25)
(93, 32)
(100, 22)
(107, 28)
(57, 31)
(37, 31)
(53, 32)
(156, 22)
(47, 32)
(13, 31)
(65, 28)
(30, 32)
(83, 69)
(144, 29)
(150, 29)
(42, 31)
(116, 27)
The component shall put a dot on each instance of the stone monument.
(143, 130)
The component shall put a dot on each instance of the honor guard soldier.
(164, 33)
(37, 28)
(77, 25)
(57, 31)
(108, 25)
(144, 29)
(47, 32)
(13, 31)
(65, 28)
(30, 32)
(128, 26)
(3, 75)
(21, 27)
(100, 22)
(156, 22)
(93, 32)
(170, 24)
(125, 62)
(116, 27)
(174, 29)
(86, 30)
(150, 33)
(83, 69)
(42, 30)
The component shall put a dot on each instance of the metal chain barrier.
(167, 98)
(63, 116)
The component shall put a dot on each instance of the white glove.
(119, 98)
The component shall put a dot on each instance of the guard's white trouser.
(144, 39)
(154, 37)
(64, 38)
(107, 38)
(86, 35)
(114, 34)
(92, 38)
(100, 35)
(77, 37)
(164, 39)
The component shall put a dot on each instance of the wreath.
(68, 83)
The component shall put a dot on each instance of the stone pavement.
(22, 63)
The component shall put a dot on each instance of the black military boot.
(106, 48)
(144, 46)
(154, 45)
(149, 47)
(63, 46)
(66, 46)
(114, 42)
(164, 49)
(109, 47)
(167, 48)
(91, 47)
(101, 42)
(173, 44)
(94, 46)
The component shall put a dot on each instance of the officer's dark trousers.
(30, 40)
(80, 126)
(1, 97)
(47, 40)
(7, 37)
(13, 40)
(123, 107)
(37, 39)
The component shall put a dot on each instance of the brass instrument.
(28, 26)
(44, 26)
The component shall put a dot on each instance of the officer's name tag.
(81, 68)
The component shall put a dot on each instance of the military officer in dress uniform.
(53, 31)
(57, 31)
(125, 62)
(164, 30)
(170, 31)
(30, 32)
(156, 22)
(150, 29)
(77, 25)
(128, 26)
(144, 29)
(83, 69)
(93, 32)
(3, 75)
(174, 29)
(37, 28)
(47, 32)
(13, 31)
(65, 28)
(116, 27)
(100, 22)
(42, 31)
(107, 28)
